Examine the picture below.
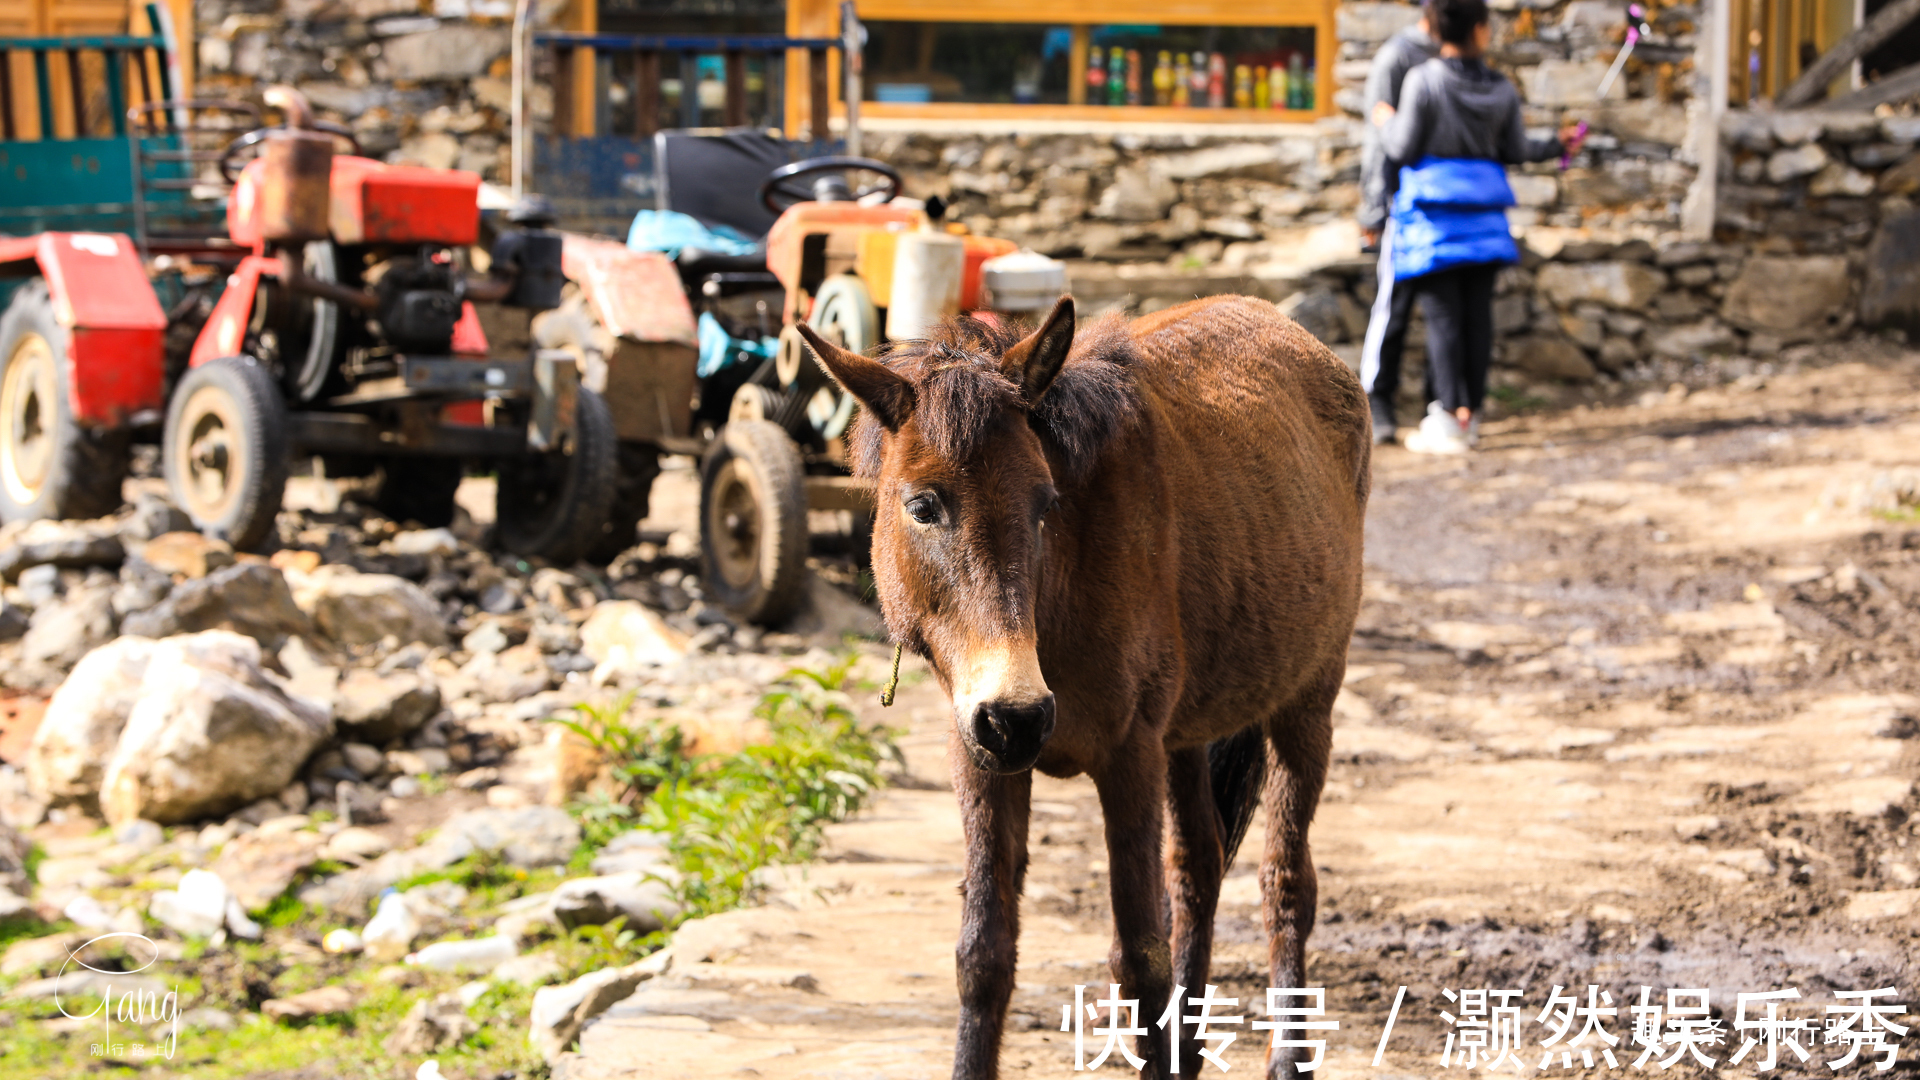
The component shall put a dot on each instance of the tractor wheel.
(556, 506)
(50, 466)
(419, 489)
(844, 314)
(224, 449)
(638, 465)
(753, 522)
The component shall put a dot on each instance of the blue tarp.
(667, 231)
(719, 349)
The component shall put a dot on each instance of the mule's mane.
(959, 392)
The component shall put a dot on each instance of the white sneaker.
(1439, 433)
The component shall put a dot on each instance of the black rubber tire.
(753, 522)
(78, 469)
(638, 465)
(419, 490)
(252, 427)
(556, 506)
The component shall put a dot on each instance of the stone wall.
(420, 83)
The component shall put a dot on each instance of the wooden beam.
(1812, 83)
(734, 109)
(1898, 86)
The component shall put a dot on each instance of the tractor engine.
(418, 303)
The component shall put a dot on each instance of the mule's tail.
(1236, 766)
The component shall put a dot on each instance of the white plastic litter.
(479, 954)
(390, 933)
(342, 941)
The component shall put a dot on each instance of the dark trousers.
(1458, 306)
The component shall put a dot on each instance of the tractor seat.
(696, 263)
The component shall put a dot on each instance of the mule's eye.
(924, 509)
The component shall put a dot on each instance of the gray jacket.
(1401, 53)
(1458, 109)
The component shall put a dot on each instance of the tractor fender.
(637, 298)
(116, 330)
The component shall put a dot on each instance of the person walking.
(1386, 340)
(1446, 147)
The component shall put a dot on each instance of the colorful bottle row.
(1114, 78)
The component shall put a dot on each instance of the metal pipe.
(295, 278)
(517, 102)
(853, 38)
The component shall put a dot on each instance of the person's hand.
(1382, 112)
(1572, 136)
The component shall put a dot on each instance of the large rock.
(452, 51)
(259, 866)
(1318, 313)
(210, 733)
(1553, 357)
(1795, 297)
(1686, 342)
(646, 902)
(1794, 162)
(1372, 21)
(249, 599)
(625, 635)
(560, 1012)
(1628, 285)
(378, 709)
(83, 722)
(361, 609)
(67, 629)
(433, 1024)
(1260, 161)
(527, 836)
(1646, 120)
(1557, 83)
(187, 553)
(1890, 292)
(59, 543)
(1136, 194)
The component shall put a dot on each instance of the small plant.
(642, 757)
(1516, 399)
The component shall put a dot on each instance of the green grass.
(1905, 515)
(1516, 399)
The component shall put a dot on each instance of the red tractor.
(339, 322)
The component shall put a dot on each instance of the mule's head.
(963, 489)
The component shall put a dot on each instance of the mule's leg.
(993, 810)
(1132, 791)
(1299, 743)
(1195, 863)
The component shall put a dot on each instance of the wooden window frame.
(822, 18)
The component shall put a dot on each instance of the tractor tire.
(753, 522)
(224, 449)
(556, 506)
(419, 489)
(638, 465)
(50, 465)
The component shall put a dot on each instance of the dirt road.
(1631, 702)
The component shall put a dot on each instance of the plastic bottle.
(1308, 84)
(1117, 76)
(480, 954)
(1199, 80)
(1133, 76)
(1277, 87)
(1242, 86)
(1296, 80)
(1163, 78)
(1262, 91)
(390, 933)
(1096, 76)
(1180, 87)
(1217, 81)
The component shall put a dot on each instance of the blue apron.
(1451, 212)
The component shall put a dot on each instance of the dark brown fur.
(1198, 576)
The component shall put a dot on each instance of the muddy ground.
(1631, 703)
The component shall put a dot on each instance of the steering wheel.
(788, 184)
(230, 166)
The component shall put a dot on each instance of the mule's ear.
(887, 395)
(1032, 364)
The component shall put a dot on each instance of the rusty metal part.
(292, 103)
(294, 198)
(295, 278)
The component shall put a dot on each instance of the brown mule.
(1132, 553)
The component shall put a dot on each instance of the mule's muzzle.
(1006, 737)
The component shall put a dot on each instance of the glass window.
(1245, 67)
(917, 62)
